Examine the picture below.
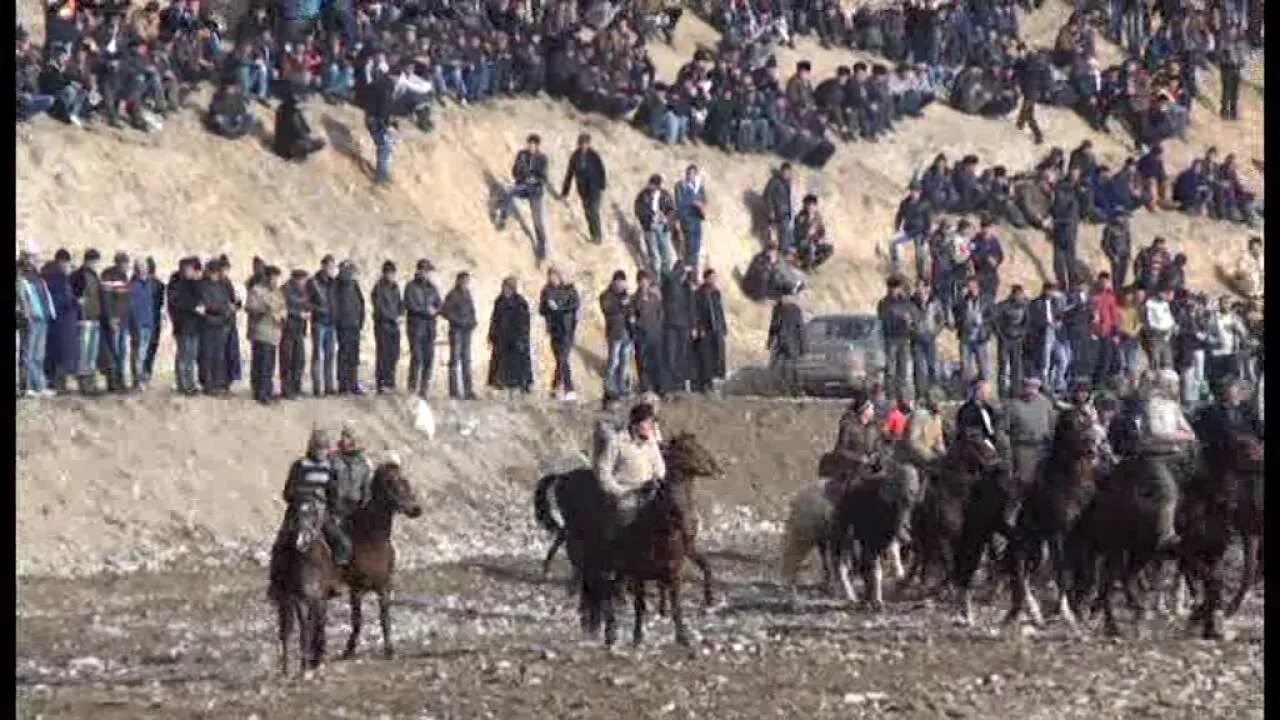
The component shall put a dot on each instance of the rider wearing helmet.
(311, 488)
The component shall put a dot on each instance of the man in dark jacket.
(913, 223)
(677, 316)
(229, 113)
(558, 305)
(898, 317)
(460, 311)
(60, 348)
(422, 303)
(294, 139)
(115, 299)
(708, 332)
(647, 328)
(655, 211)
(184, 296)
(388, 308)
(215, 307)
(987, 256)
(587, 170)
(615, 305)
(293, 339)
(530, 174)
(1117, 246)
(379, 103)
(777, 201)
(88, 291)
(1010, 321)
(1034, 77)
(324, 337)
(786, 342)
(509, 360)
(1065, 211)
(348, 321)
(1044, 322)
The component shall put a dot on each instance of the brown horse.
(1249, 515)
(1208, 518)
(938, 519)
(1064, 487)
(304, 577)
(651, 548)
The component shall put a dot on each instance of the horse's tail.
(542, 504)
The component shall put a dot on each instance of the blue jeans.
(1135, 30)
(975, 359)
(450, 81)
(324, 343)
(920, 242)
(657, 240)
(72, 100)
(33, 105)
(536, 203)
(37, 338)
(381, 134)
(692, 226)
(187, 356)
(90, 335)
(1062, 357)
(615, 374)
(925, 363)
(460, 362)
(1129, 353)
(478, 82)
(338, 79)
(119, 348)
(140, 340)
(671, 128)
(254, 79)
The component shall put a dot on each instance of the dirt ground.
(488, 638)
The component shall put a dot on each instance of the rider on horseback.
(925, 442)
(629, 463)
(311, 488)
(352, 475)
(858, 442)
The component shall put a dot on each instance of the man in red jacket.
(1106, 316)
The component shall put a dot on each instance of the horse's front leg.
(384, 615)
(357, 619)
(1251, 552)
(677, 612)
(556, 542)
(637, 595)
(285, 614)
(705, 567)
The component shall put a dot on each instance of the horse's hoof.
(350, 653)
(388, 654)
(1111, 630)
(683, 640)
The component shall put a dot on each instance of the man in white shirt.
(1158, 327)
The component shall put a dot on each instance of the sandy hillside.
(182, 191)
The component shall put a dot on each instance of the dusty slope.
(183, 191)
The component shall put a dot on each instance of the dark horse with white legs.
(1063, 488)
(576, 495)
(651, 548)
(303, 576)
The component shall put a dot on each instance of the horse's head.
(307, 525)
(390, 486)
(688, 458)
(974, 448)
(1074, 438)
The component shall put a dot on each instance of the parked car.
(843, 352)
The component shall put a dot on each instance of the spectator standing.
(987, 255)
(709, 332)
(388, 309)
(1232, 53)
(1226, 334)
(88, 291)
(1044, 324)
(1065, 211)
(215, 308)
(1033, 75)
(1158, 327)
(974, 332)
(460, 312)
(1105, 330)
(558, 306)
(1011, 322)
(1129, 328)
(586, 169)
(530, 174)
(60, 348)
(912, 223)
(655, 211)
(293, 336)
(812, 247)
(899, 317)
(115, 315)
(143, 322)
(232, 347)
(379, 105)
(348, 321)
(786, 340)
(267, 309)
(422, 304)
(1149, 266)
(647, 328)
(183, 299)
(510, 362)
(931, 318)
(157, 310)
(615, 305)
(39, 312)
(677, 329)
(324, 334)
(691, 208)
(777, 199)
(1117, 246)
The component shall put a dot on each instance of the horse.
(303, 576)
(1063, 488)
(651, 548)
(872, 512)
(986, 515)
(1208, 517)
(1249, 516)
(577, 496)
(938, 520)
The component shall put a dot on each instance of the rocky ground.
(488, 638)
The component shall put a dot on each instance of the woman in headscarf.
(510, 366)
